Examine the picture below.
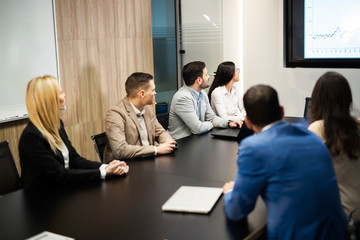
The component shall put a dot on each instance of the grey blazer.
(183, 118)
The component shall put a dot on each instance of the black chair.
(9, 176)
(307, 111)
(100, 141)
(353, 226)
(163, 119)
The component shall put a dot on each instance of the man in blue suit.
(291, 169)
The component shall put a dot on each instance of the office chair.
(353, 228)
(161, 107)
(307, 111)
(100, 141)
(163, 119)
(9, 176)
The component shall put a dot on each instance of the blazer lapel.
(195, 103)
(203, 107)
(148, 119)
(59, 155)
(131, 113)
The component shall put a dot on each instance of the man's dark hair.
(192, 71)
(262, 105)
(137, 81)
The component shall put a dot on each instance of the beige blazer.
(123, 132)
(347, 172)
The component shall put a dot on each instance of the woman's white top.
(227, 105)
(65, 152)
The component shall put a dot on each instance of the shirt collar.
(195, 93)
(269, 125)
(225, 91)
(137, 112)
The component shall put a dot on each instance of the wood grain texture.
(100, 43)
(11, 131)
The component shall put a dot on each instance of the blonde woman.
(46, 155)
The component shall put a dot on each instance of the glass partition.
(201, 33)
(164, 46)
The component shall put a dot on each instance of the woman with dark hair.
(223, 96)
(331, 120)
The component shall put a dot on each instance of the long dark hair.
(224, 73)
(331, 101)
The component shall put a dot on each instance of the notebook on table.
(192, 199)
(49, 236)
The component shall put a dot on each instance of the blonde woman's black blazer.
(40, 166)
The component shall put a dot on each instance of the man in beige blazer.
(132, 127)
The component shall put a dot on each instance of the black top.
(40, 166)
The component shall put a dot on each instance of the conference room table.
(129, 207)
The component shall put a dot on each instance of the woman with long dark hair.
(225, 100)
(331, 104)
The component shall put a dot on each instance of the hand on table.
(229, 186)
(117, 167)
(234, 124)
(166, 147)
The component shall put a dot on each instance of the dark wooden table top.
(129, 207)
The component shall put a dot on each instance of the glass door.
(164, 33)
(201, 33)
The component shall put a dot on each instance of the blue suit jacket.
(291, 169)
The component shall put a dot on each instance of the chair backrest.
(9, 176)
(100, 141)
(163, 119)
(307, 111)
(353, 232)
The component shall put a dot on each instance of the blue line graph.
(338, 31)
(332, 29)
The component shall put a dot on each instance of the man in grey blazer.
(190, 111)
(132, 127)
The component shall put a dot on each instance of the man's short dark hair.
(137, 81)
(262, 105)
(192, 71)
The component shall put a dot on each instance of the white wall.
(263, 55)
(233, 36)
(201, 31)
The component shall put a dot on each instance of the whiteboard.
(28, 48)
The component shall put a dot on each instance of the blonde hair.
(43, 105)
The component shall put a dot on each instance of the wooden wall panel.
(100, 43)
(105, 41)
(11, 131)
